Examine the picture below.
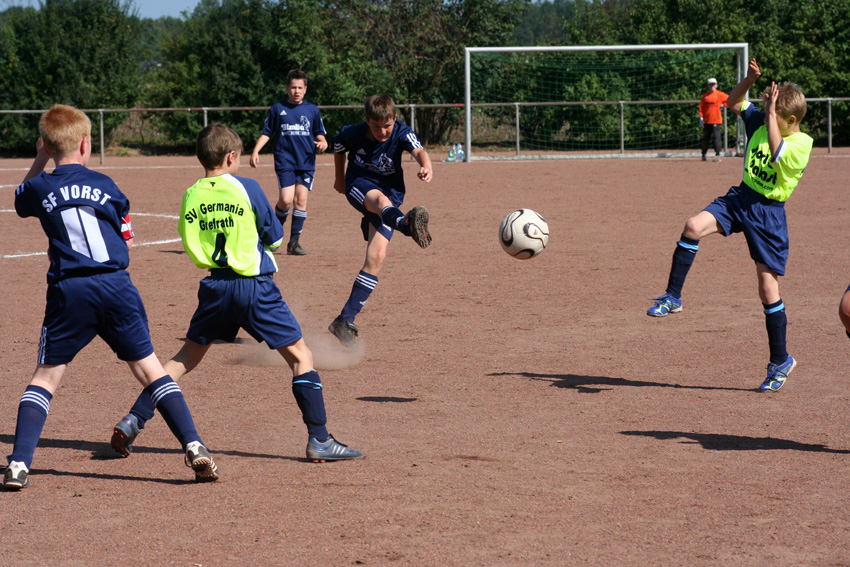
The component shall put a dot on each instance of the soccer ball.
(524, 234)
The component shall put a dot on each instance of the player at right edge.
(777, 155)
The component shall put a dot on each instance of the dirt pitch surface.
(512, 412)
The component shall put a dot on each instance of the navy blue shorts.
(288, 177)
(228, 302)
(762, 221)
(356, 193)
(106, 305)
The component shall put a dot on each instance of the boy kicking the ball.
(777, 154)
(87, 222)
(374, 185)
(229, 228)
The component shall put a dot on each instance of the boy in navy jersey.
(228, 227)
(87, 222)
(296, 126)
(374, 185)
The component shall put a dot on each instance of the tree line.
(100, 54)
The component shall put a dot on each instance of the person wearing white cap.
(710, 117)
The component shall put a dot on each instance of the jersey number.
(84, 233)
(219, 256)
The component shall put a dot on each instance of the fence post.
(829, 125)
(622, 129)
(100, 113)
(516, 115)
(205, 117)
(725, 134)
(412, 116)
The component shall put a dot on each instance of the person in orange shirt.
(710, 117)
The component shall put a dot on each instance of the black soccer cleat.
(294, 249)
(416, 220)
(345, 331)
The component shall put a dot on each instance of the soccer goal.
(594, 101)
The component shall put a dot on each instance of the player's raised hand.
(770, 96)
(754, 70)
(425, 174)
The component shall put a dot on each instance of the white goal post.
(741, 61)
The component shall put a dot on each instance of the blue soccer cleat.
(777, 374)
(330, 450)
(664, 305)
(124, 435)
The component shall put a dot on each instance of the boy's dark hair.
(380, 107)
(214, 143)
(62, 128)
(294, 75)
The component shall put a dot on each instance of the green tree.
(79, 52)
(805, 41)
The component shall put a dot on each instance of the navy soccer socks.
(683, 258)
(364, 285)
(394, 218)
(307, 389)
(143, 409)
(281, 215)
(776, 323)
(298, 218)
(32, 413)
(168, 399)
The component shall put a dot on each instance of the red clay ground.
(512, 413)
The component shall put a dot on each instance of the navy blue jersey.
(82, 213)
(379, 162)
(293, 128)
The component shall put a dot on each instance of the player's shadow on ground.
(720, 442)
(385, 399)
(595, 384)
(103, 451)
(102, 476)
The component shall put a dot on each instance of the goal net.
(593, 101)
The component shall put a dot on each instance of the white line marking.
(150, 243)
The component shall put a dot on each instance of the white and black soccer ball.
(524, 234)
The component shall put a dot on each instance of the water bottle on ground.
(452, 155)
(459, 152)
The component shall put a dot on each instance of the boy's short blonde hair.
(214, 143)
(791, 101)
(62, 128)
(380, 107)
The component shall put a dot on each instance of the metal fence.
(506, 135)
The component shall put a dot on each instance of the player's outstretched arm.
(426, 173)
(40, 161)
(736, 97)
(255, 155)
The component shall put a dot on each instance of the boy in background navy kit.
(298, 133)
(777, 155)
(87, 222)
(228, 227)
(374, 185)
